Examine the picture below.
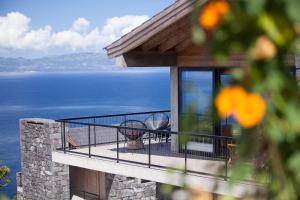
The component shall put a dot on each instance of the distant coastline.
(115, 70)
(67, 62)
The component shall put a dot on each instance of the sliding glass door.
(196, 89)
(227, 124)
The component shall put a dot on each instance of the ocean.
(62, 95)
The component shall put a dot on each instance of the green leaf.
(241, 171)
(292, 9)
(275, 130)
(255, 6)
(198, 35)
(294, 163)
(267, 23)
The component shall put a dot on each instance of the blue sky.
(45, 27)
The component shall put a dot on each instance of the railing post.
(64, 133)
(89, 140)
(226, 169)
(95, 139)
(61, 136)
(117, 146)
(227, 158)
(149, 152)
(185, 157)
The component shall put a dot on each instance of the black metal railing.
(101, 137)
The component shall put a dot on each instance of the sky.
(38, 28)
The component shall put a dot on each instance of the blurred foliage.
(4, 197)
(4, 173)
(4, 179)
(267, 34)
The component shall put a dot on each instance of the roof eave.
(151, 27)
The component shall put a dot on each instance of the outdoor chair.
(158, 122)
(72, 142)
(133, 137)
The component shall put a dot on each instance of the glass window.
(228, 127)
(196, 95)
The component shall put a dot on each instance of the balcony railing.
(130, 138)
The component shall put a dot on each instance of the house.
(129, 156)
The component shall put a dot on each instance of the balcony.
(104, 137)
(141, 145)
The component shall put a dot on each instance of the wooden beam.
(209, 61)
(180, 36)
(183, 45)
(149, 59)
(165, 34)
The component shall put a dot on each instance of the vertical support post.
(154, 133)
(226, 169)
(185, 157)
(62, 136)
(95, 139)
(117, 146)
(149, 151)
(64, 133)
(227, 157)
(89, 127)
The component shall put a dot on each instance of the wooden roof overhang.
(166, 40)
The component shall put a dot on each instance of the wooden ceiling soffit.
(183, 45)
(148, 59)
(179, 36)
(156, 40)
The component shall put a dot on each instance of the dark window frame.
(216, 82)
(216, 75)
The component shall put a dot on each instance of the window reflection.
(228, 127)
(196, 93)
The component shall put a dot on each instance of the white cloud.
(15, 34)
(122, 25)
(80, 25)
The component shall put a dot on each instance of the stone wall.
(126, 188)
(90, 184)
(40, 178)
(19, 186)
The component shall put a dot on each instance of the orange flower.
(251, 112)
(228, 99)
(209, 18)
(247, 108)
(222, 6)
(212, 14)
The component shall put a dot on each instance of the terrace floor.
(161, 156)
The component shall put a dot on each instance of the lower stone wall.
(126, 188)
(19, 186)
(90, 184)
(40, 178)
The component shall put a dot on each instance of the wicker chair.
(158, 121)
(133, 137)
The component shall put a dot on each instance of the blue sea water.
(62, 95)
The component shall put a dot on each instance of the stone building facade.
(121, 187)
(42, 179)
